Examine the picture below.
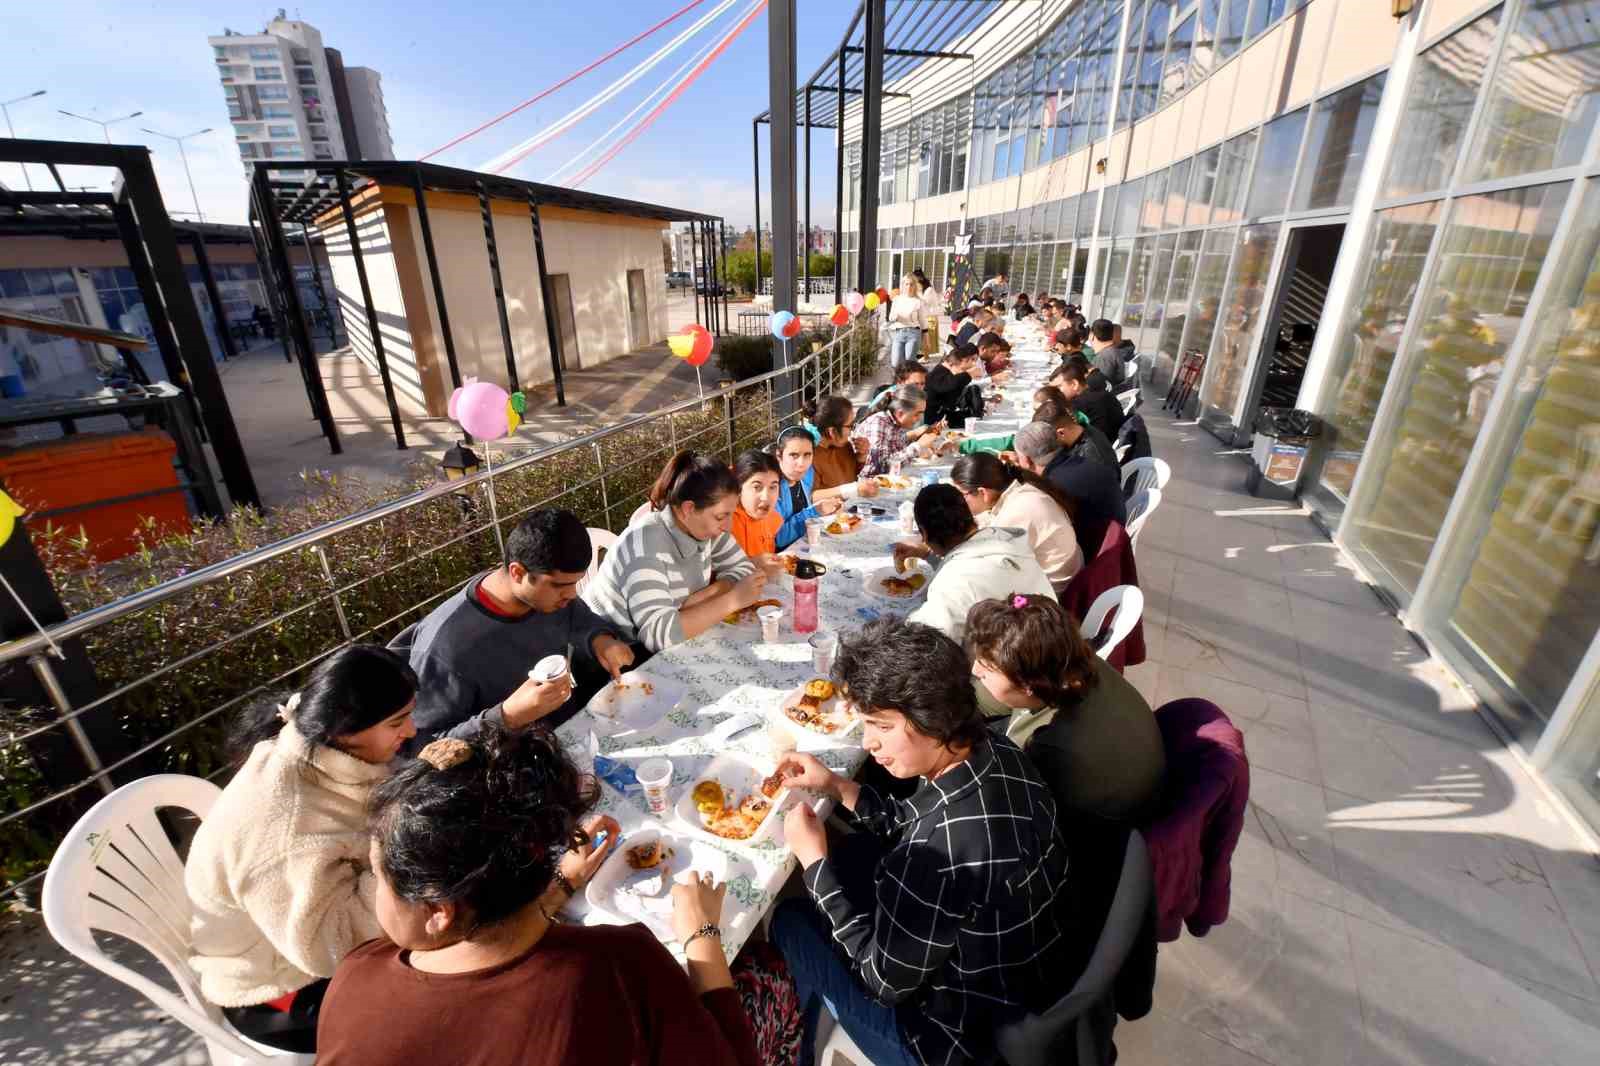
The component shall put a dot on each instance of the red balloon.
(791, 329)
(703, 341)
(840, 316)
(883, 295)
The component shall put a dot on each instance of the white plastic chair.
(1129, 400)
(639, 512)
(117, 871)
(1128, 602)
(600, 542)
(1140, 508)
(1146, 473)
(1122, 451)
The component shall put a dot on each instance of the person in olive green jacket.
(1090, 733)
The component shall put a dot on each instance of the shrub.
(262, 630)
(744, 357)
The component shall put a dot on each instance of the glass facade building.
(1393, 223)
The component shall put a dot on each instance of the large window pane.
(1204, 298)
(1233, 178)
(1275, 162)
(1241, 319)
(1177, 199)
(1130, 203)
(1336, 147)
(1130, 70)
(1490, 254)
(1108, 210)
(1368, 338)
(1204, 188)
(1263, 14)
(1437, 108)
(1177, 307)
(1175, 75)
(1205, 41)
(1157, 27)
(1545, 98)
(1155, 301)
(1155, 201)
(1529, 606)
(1116, 280)
(1133, 308)
(1230, 35)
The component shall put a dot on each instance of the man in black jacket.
(1067, 454)
(948, 398)
(1098, 405)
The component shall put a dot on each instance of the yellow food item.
(819, 688)
(708, 798)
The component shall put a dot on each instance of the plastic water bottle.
(805, 596)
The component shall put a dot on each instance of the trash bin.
(1278, 450)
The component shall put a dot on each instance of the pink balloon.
(480, 407)
(854, 302)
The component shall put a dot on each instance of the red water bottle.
(805, 596)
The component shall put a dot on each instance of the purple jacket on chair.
(1202, 814)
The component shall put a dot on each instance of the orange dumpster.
(88, 480)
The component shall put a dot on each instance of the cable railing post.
(727, 408)
(338, 605)
(605, 495)
(58, 697)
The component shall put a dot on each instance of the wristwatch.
(709, 929)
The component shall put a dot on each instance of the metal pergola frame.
(333, 185)
(133, 213)
(890, 45)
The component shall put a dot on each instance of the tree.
(742, 268)
(821, 265)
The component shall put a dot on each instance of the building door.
(638, 309)
(558, 293)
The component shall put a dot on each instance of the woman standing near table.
(676, 570)
(476, 968)
(907, 314)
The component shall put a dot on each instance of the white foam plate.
(638, 704)
(872, 584)
(741, 775)
(619, 890)
(806, 738)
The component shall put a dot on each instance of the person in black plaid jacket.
(935, 923)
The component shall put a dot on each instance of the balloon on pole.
(871, 301)
(485, 410)
(854, 302)
(784, 325)
(840, 315)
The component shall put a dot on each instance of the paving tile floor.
(1404, 892)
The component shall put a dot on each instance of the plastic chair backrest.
(1128, 602)
(639, 512)
(601, 541)
(1032, 1040)
(118, 872)
(1147, 472)
(1129, 400)
(1140, 508)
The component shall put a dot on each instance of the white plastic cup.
(655, 777)
(814, 532)
(908, 517)
(550, 668)
(771, 619)
(823, 643)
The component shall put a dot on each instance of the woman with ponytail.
(1002, 494)
(676, 571)
(476, 846)
(278, 880)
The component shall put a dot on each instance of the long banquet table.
(729, 670)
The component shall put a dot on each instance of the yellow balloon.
(513, 420)
(682, 344)
(871, 301)
(9, 513)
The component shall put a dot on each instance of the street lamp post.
(105, 127)
(185, 157)
(12, 133)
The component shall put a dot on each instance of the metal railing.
(172, 659)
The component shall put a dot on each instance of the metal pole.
(838, 191)
(755, 161)
(192, 194)
(605, 496)
(871, 145)
(338, 606)
(722, 260)
(805, 242)
(544, 299)
(372, 312)
(58, 698)
(697, 276)
(781, 137)
(433, 273)
(264, 274)
(316, 278)
(203, 261)
(499, 289)
(12, 133)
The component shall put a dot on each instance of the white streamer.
(509, 157)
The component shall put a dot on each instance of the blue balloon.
(780, 323)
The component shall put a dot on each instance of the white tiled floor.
(1404, 892)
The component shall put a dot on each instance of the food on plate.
(902, 563)
(819, 688)
(748, 614)
(733, 824)
(903, 586)
(755, 807)
(647, 856)
(894, 484)
(708, 797)
(807, 708)
(789, 562)
(772, 784)
(844, 523)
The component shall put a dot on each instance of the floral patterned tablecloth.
(731, 670)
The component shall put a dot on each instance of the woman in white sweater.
(1008, 496)
(278, 875)
(908, 314)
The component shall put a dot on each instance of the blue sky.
(445, 69)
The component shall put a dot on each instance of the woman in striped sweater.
(676, 570)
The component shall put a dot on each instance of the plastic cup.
(814, 532)
(771, 618)
(908, 517)
(822, 644)
(655, 777)
(549, 668)
(894, 467)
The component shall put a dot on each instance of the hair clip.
(1019, 601)
(445, 753)
(286, 710)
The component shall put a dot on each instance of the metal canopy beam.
(871, 134)
(915, 52)
(781, 106)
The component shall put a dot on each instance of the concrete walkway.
(1404, 892)
(281, 438)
